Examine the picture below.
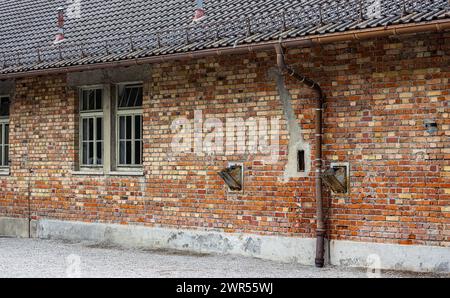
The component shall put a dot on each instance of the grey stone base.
(284, 249)
(297, 250)
(418, 258)
(17, 227)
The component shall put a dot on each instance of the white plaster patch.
(296, 139)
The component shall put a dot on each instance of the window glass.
(92, 141)
(131, 96)
(122, 128)
(6, 150)
(122, 152)
(4, 143)
(129, 153)
(130, 125)
(92, 100)
(99, 127)
(129, 128)
(4, 131)
(91, 129)
(85, 129)
(4, 106)
(99, 151)
(138, 126)
(138, 152)
(6, 134)
(85, 153)
(91, 155)
(130, 140)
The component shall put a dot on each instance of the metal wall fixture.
(431, 126)
(233, 176)
(337, 178)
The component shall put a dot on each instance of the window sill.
(87, 173)
(114, 173)
(126, 173)
(4, 172)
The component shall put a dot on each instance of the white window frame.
(110, 114)
(87, 115)
(119, 112)
(4, 120)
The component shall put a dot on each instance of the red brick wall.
(379, 93)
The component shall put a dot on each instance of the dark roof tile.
(127, 29)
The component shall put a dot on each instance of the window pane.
(84, 101)
(139, 98)
(99, 129)
(128, 135)
(91, 153)
(130, 142)
(6, 161)
(91, 129)
(91, 96)
(1, 155)
(4, 106)
(98, 99)
(123, 99)
(92, 100)
(121, 104)
(138, 127)
(129, 153)
(85, 129)
(122, 153)
(132, 96)
(122, 127)
(85, 153)
(138, 152)
(2, 127)
(6, 134)
(88, 153)
(99, 153)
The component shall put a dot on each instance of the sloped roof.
(113, 30)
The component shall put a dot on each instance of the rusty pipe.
(320, 229)
(434, 26)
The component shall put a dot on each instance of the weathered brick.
(377, 102)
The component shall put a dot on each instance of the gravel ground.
(44, 258)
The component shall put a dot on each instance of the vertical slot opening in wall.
(301, 165)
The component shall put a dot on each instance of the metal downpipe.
(321, 229)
